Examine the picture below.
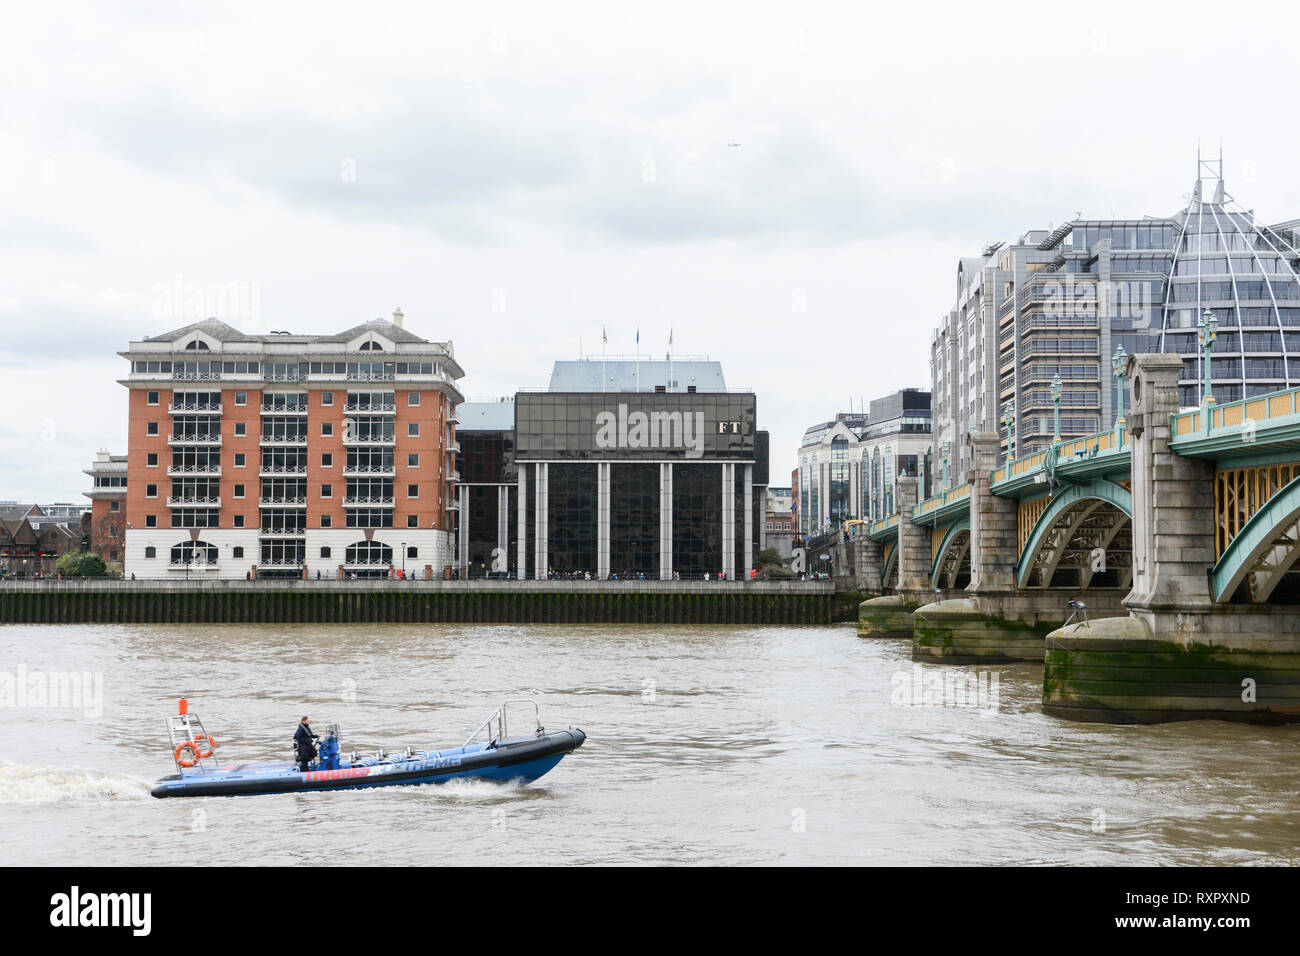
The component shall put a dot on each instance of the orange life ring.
(212, 745)
(190, 746)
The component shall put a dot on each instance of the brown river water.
(706, 745)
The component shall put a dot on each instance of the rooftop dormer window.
(371, 346)
(197, 345)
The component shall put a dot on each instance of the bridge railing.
(1260, 408)
(1111, 441)
(883, 525)
(935, 502)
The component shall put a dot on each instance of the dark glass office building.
(650, 469)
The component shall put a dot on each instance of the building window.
(236, 552)
(239, 491)
(151, 428)
(152, 398)
(327, 491)
(326, 429)
(113, 505)
(412, 398)
(241, 429)
(239, 459)
(151, 552)
(150, 461)
(324, 552)
(413, 429)
(326, 521)
(412, 491)
(241, 398)
(239, 521)
(327, 398)
(151, 521)
(151, 491)
(413, 460)
(412, 552)
(412, 521)
(327, 461)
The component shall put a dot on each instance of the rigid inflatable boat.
(489, 754)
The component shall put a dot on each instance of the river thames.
(706, 745)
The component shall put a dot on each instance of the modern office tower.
(291, 455)
(1066, 298)
(847, 466)
(108, 505)
(963, 365)
(487, 493)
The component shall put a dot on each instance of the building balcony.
(105, 493)
(367, 502)
(194, 502)
(194, 376)
(183, 470)
(369, 471)
(298, 410)
(371, 376)
(209, 440)
(386, 408)
(369, 440)
(300, 502)
(453, 475)
(283, 471)
(366, 565)
(280, 440)
(281, 563)
(452, 503)
(207, 408)
(282, 532)
(194, 566)
(283, 377)
(453, 447)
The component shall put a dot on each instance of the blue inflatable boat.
(489, 754)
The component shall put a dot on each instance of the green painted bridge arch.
(1263, 552)
(953, 554)
(1079, 520)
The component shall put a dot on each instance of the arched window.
(197, 346)
(194, 553)
(371, 346)
(374, 553)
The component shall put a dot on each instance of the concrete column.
(540, 559)
(521, 545)
(1173, 497)
(748, 539)
(503, 525)
(994, 532)
(602, 520)
(728, 519)
(666, 521)
(913, 543)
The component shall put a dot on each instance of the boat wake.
(23, 784)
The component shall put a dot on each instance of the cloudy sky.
(520, 178)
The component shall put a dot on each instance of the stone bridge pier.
(1177, 654)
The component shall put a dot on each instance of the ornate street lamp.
(1117, 362)
(1056, 407)
(1207, 332)
(1009, 416)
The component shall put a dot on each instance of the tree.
(768, 556)
(79, 564)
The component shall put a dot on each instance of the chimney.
(398, 317)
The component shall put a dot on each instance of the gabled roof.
(389, 330)
(213, 327)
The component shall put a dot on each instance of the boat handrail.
(499, 715)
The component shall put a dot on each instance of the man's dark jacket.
(302, 742)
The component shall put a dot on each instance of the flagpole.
(638, 360)
(670, 359)
(604, 347)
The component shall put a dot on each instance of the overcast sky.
(517, 179)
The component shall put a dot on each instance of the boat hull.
(521, 761)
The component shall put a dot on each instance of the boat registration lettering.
(314, 776)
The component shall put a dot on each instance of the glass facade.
(697, 525)
(634, 519)
(571, 518)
